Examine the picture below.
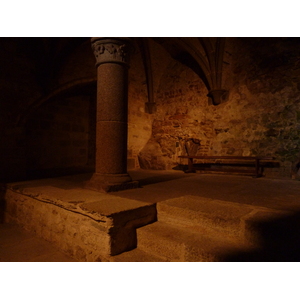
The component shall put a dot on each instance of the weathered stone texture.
(139, 122)
(57, 135)
(84, 224)
(18, 87)
(260, 117)
(80, 64)
(82, 238)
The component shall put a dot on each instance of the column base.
(111, 183)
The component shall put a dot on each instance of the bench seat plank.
(255, 159)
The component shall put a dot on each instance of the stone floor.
(158, 186)
(20, 246)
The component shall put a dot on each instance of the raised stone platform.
(87, 225)
(232, 219)
(199, 218)
(192, 228)
(19, 245)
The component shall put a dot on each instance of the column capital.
(111, 50)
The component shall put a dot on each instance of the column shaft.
(112, 115)
(111, 140)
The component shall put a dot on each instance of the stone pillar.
(112, 61)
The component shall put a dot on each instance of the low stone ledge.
(87, 225)
(125, 216)
(246, 222)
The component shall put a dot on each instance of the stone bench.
(255, 161)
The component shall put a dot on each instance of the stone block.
(204, 212)
(87, 231)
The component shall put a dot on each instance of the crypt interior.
(96, 135)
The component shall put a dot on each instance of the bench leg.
(257, 169)
(190, 166)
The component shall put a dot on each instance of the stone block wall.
(18, 87)
(139, 122)
(261, 116)
(82, 223)
(12, 154)
(57, 135)
(78, 65)
(139, 131)
(76, 235)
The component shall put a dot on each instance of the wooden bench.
(255, 161)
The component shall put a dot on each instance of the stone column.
(112, 61)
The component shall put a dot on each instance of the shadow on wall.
(279, 241)
(2, 202)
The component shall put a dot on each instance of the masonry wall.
(47, 107)
(58, 137)
(261, 116)
(18, 87)
(139, 122)
(78, 66)
(84, 238)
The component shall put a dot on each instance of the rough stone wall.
(148, 154)
(261, 116)
(267, 90)
(57, 135)
(139, 122)
(83, 223)
(82, 237)
(79, 65)
(18, 86)
(180, 119)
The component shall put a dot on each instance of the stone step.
(173, 243)
(235, 220)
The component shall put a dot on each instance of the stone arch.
(205, 57)
(60, 132)
(86, 85)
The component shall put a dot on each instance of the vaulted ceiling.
(203, 55)
(47, 55)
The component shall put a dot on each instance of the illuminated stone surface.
(86, 225)
(200, 217)
(112, 115)
(48, 113)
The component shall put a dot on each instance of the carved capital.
(111, 50)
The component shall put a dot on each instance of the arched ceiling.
(203, 55)
(47, 55)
